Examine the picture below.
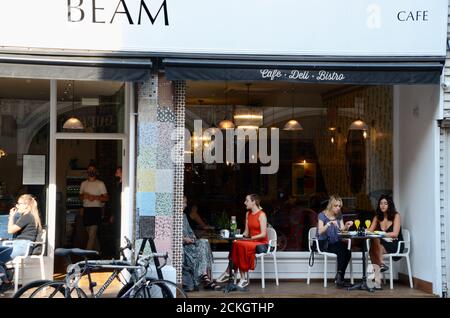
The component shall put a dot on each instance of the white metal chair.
(271, 251)
(407, 247)
(17, 262)
(313, 238)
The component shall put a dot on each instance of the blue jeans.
(7, 253)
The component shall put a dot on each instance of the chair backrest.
(312, 233)
(39, 250)
(272, 235)
(407, 240)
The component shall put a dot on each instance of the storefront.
(164, 64)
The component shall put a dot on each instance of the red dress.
(243, 252)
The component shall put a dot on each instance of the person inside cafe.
(25, 224)
(243, 251)
(93, 193)
(194, 218)
(197, 259)
(387, 220)
(329, 225)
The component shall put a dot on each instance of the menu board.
(33, 169)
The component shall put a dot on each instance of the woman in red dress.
(243, 251)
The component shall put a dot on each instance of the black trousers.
(342, 252)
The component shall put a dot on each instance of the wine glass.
(367, 224)
(357, 222)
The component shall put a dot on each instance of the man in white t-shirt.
(94, 195)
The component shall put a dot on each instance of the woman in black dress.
(387, 219)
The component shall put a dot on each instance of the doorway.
(74, 156)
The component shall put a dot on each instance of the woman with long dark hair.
(387, 219)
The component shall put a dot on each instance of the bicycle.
(139, 285)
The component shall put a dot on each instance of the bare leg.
(92, 237)
(376, 256)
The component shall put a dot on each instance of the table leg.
(230, 286)
(363, 284)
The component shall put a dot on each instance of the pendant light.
(359, 124)
(293, 125)
(226, 123)
(248, 117)
(2, 153)
(73, 122)
(273, 119)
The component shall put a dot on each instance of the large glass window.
(97, 105)
(24, 143)
(321, 158)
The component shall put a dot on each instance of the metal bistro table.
(231, 286)
(363, 284)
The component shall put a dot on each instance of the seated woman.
(387, 219)
(194, 218)
(243, 251)
(329, 224)
(24, 223)
(197, 259)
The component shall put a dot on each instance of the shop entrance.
(74, 157)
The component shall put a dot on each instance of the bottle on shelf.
(233, 225)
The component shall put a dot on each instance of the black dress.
(392, 246)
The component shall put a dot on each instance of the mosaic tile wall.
(154, 171)
(376, 111)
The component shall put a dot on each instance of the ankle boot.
(339, 280)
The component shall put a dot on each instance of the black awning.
(74, 67)
(382, 72)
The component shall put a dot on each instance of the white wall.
(416, 176)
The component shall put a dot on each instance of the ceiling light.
(73, 122)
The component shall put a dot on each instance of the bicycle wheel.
(26, 290)
(160, 289)
(57, 290)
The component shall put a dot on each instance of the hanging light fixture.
(226, 123)
(73, 122)
(248, 117)
(273, 119)
(2, 153)
(359, 124)
(293, 124)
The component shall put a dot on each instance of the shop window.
(323, 158)
(95, 106)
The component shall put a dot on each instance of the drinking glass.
(367, 224)
(357, 222)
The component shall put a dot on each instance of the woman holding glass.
(387, 219)
(24, 223)
(329, 225)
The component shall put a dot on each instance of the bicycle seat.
(75, 251)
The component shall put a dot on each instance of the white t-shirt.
(96, 187)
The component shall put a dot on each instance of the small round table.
(363, 284)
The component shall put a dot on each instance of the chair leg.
(309, 275)
(16, 275)
(276, 269)
(41, 263)
(409, 272)
(325, 271)
(351, 270)
(391, 273)
(262, 272)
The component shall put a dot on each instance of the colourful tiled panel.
(163, 158)
(164, 245)
(146, 180)
(146, 203)
(164, 204)
(148, 134)
(164, 182)
(146, 226)
(165, 114)
(146, 157)
(163, 227)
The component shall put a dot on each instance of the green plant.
(221, 220)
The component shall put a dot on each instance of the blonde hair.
(333, 199)
(32, 203)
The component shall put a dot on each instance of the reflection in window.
(313, 163)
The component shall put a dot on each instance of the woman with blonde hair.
(329, 225)
(25, 224)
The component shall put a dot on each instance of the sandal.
(223, 278)
(383, 268)
(208, 283)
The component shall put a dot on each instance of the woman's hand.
(13, 211)
(348, 224)
(188, 240)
